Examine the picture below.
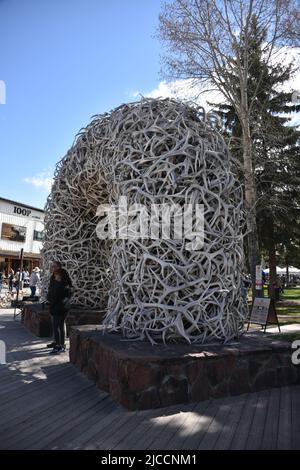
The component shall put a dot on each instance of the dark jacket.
(59, 293)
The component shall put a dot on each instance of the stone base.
(141, 376)
(39, 321)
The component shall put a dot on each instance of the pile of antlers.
(153, 152)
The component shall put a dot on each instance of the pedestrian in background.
(34, 281)
(11, 280)
(2, 274)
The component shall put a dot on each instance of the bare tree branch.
(209, 40)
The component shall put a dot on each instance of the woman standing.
(59, 294)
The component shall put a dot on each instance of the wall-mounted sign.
(25, 212)
(15, 209)
(14, 233)
(22, 211)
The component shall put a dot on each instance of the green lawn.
(287, 336)
(292, 293)
(291, 310)
(289, 321)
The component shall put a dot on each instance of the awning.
(13, 254)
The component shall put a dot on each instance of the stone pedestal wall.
(39, 321)
(141, 376)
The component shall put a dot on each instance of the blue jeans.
(33, 290)
(59, 329)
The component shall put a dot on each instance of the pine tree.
(275, 143)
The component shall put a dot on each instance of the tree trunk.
(287, 273)
(272, 262)
(250, 203)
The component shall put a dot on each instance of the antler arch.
(153, 152)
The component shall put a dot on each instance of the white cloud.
(186, 90)
(295, 121)
(43, 180)
(189, 90)
(285, 56)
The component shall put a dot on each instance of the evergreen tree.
(275, 144)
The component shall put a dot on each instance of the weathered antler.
(153, 152)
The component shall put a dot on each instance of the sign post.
(258, 279)
(19, 282)
(263, 313)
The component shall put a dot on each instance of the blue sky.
(63, 61)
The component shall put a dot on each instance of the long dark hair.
(63, 274)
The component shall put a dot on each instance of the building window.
(13, 233)
(38, 236)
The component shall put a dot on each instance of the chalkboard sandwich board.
(263, 313)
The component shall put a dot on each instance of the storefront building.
(21, 226)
